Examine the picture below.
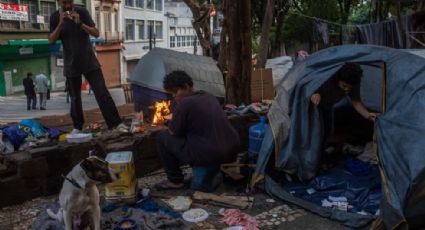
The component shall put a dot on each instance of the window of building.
(183, 40)
(140, 29)
(188, 43)
(107, 22)
(129, 29)
(32, 14)
(158, 5)
(46, 9)
(129, 2)
(179, 41)
(151, 29)
(149, 4)
(140, 3)
(172, 41)
(158, 29)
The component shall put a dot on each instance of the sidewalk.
(14, 108)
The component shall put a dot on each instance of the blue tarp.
(400, 129)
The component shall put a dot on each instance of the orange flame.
(162, 109)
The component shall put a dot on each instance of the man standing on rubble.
(199, 132)
(73, 26)
(346, 82)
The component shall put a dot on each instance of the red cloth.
(234, 217)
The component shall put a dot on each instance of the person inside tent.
(346, 82)
(199, 133)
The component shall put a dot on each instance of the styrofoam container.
(79, 137)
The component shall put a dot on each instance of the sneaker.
(122, 128)
(76, 131)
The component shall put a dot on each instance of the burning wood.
(162, 110)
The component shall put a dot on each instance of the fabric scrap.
(234, 217)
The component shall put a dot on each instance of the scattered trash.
(253, 108)
(195, 215)
(235, 228)
(179, 203)
(234, 217)
(126, 224)
(37, 129)
(6, 146)
(270, 201)
(146, 192)
(77, 138)
(311, 191)
(368, 155)
(352, 149)
(240, 202)
(340, 203)
(137, 123)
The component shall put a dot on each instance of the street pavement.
(14, 108)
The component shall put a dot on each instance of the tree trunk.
(223, 56)
(265, 29)
(400, 25)
(284, 6)
(238, 78)
(201, 17)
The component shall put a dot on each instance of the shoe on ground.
(76, 131)
(122, 128)
(42, 108)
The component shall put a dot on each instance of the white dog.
(79, 195)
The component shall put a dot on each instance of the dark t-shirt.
(331, 94)
(28, 86)
(79, 57)
(211, 139)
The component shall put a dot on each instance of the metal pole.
(150, 37)
(195, 47)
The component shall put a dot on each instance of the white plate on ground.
(195, 215)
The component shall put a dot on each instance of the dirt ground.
(269, 213)
(91, 116)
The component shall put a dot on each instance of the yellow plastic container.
(123, 189)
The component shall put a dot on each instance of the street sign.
(13, 12)
(40, 19)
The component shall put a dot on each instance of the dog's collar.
(72, 181)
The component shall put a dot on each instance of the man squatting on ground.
(199, 133)
(73, 25)
(346, 82)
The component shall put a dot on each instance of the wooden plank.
(240, 203)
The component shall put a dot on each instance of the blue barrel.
(256, 135)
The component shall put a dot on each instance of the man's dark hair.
(29, 74)
(176, 80)
(350, 73)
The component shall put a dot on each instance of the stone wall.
(37, 172)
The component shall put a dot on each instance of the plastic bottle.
(256, 135)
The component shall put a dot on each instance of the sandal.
(168, 185)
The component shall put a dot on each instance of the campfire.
(162, 110)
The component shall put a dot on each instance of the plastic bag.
(36, 128)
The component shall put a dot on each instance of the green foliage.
(298, 27)
(360, 14)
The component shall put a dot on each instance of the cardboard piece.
(262, 85)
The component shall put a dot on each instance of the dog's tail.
(57, 216)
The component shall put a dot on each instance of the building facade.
(107, 18)
(181, 35)
(144, 26)
(24, 27)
